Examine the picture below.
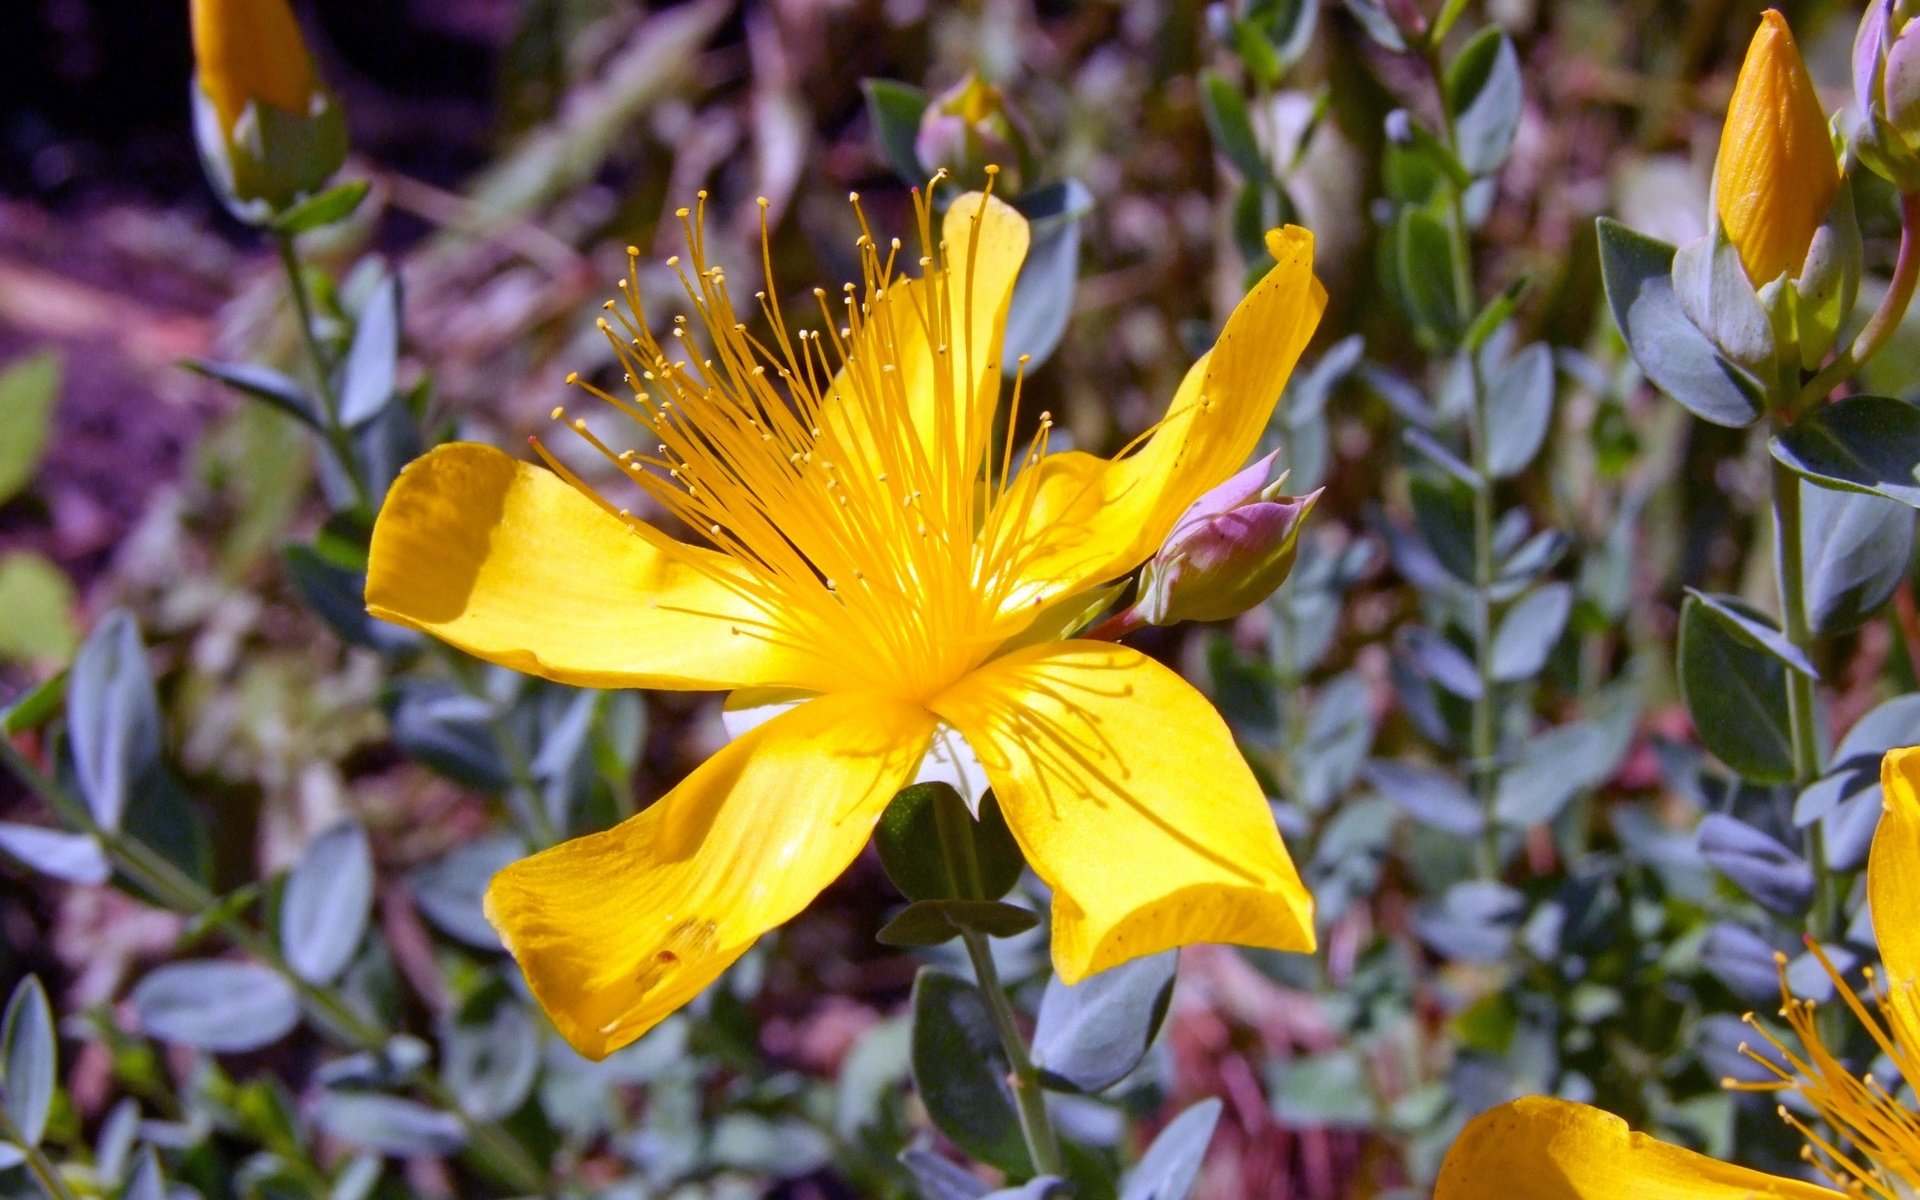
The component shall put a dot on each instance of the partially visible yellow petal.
(1089, 520)
(1775, 176)
(1893, 884)
(1538, 1148)
(513, 565)
(1128, 796)
(944, 346)
(250, 51)
(616, 930)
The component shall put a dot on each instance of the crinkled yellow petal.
(1537, 1148)
(1775, 176)
(1129, 798)
(616, 930)
(1091, 519)
(943, 345)
(1893, 884)
(513, 565)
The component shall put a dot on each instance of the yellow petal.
(513, 565)
(946, 355)
(1092, 520)
(1538, 1148)
(1129, 798)
(616, 930)
(250, 51)
(1893, 884)
(1775, 176)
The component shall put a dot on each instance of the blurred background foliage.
(1570, 934)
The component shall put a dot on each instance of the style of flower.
(868, 548)
(1543, 1149)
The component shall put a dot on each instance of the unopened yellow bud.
(251, 51)
(1776, 175)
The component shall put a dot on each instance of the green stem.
(1886, 318)
(1484, 734)
(336, 435)
(44, 1170)
(178, 891)
(1802, 715)
(1030, 1102)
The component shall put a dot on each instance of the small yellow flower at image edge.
(868, 551)
(1862, 1135)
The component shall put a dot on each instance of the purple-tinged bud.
(967, 129)
(1886, 90)
(1869, 42)
(1901, 89)
(1227, 552)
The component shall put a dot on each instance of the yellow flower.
(1542, 1149)
(250, 51)
(865, 548)
(1776, 176)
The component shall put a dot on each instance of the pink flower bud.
(1227, 552)
(968, 128)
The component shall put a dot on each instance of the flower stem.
(44, 1170)
(176, 890)
(336, 435)
(1802, 714)
(1485, 736)
(1886, 318)
(1030, 1102)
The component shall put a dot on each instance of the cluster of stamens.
(801, 455)
(1870, 1146)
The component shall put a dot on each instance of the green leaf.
(961, 1072)
(491, 1064)
(1170, 1166)
(1484, 90)
(29, 388)
(1755, 629)
(1043, 293)
(908, 839)
(1232, 127)
(931, 922)
(214, 1004)
(1423, 257)
(1676, 356)
(1736, 695)
(895, 109)
(337, 596)
(1519, 410)
(388, 1123)
(113, 717)
(1287, 24)
(327, 903)
(34, 707)
(1855, 548)
(1859, 444)
(334, 204)
(1528, 631)
(450, 732)
(27, 1050)
(264, 384)
(367, 375)
(38, 601)
(1091, 1035)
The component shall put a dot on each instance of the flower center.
(837, 470)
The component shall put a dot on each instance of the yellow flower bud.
(1776, 175)
(251, 51)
